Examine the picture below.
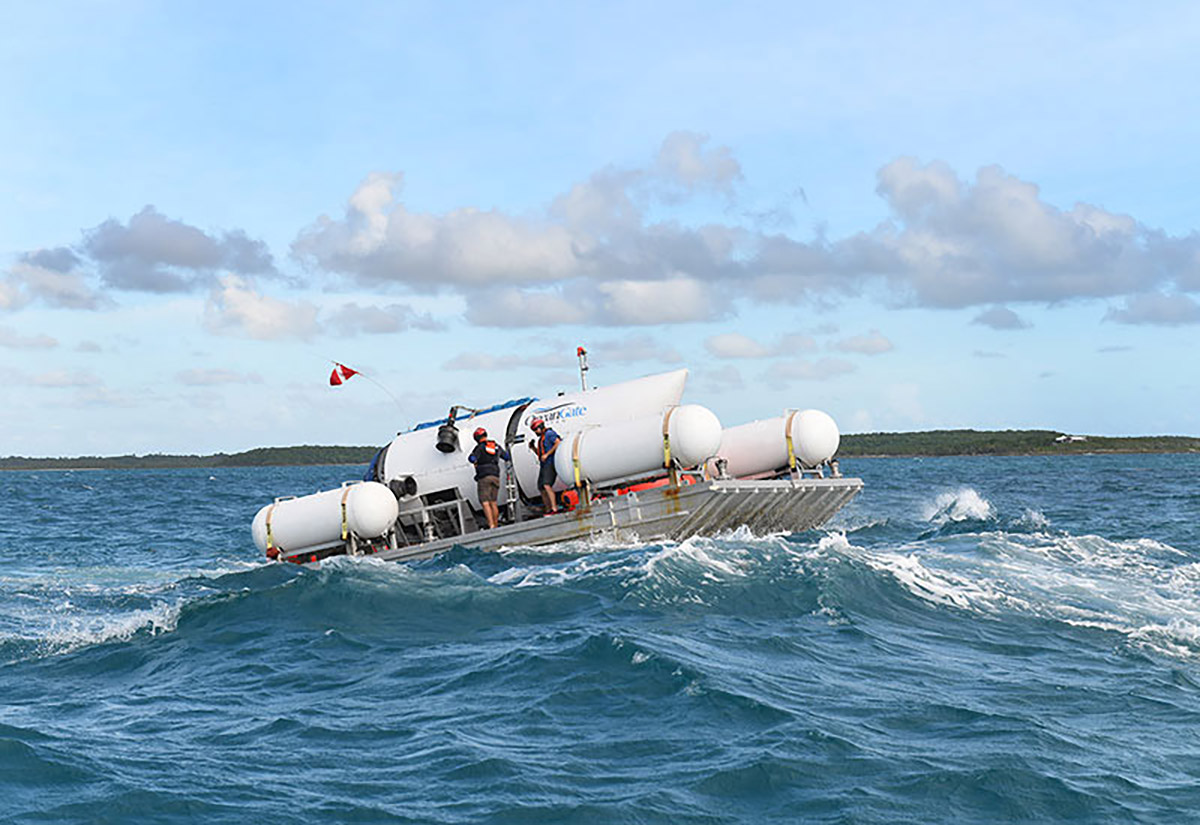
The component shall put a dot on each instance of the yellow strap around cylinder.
(575, 455)
(666, 432)
(787, 433)
(345, 524)
(270, 538)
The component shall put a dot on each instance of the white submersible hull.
(632, 464)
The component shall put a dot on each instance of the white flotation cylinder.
(630, 448)
(761, 447)
(366, 509)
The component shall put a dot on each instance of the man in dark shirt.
(545, 443)
(486, 458)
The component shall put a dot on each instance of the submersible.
(633, 463)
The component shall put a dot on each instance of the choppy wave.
(64, 610)
(1145, 591)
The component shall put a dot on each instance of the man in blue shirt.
(544, 445)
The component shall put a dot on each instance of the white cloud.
(669, 301)
(874, 343)
(352, 319)
(1001, 318)
(381, 241)
(65, 379)
(601, 252)
(482, 361)
(629, 349)
(11, 296)
(634, 348)
(98, 396)
(684, 161)
(953, 243)
(618, 303)
(209, 377)
(1156, 308)
(801, 369)
(151, 253)
(513, 307)
(615, 249)
(793, 343)
(28, 280)
(154, 253)
(235, 307)
(736, 345)
(597, 230)
(11, 339)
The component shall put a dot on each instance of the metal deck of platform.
(703, 508)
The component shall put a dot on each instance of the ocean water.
(973, 640)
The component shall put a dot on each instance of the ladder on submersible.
(511, 496)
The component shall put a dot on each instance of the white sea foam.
(703, 553)
(1136, 588)
(744, 535)
(960, 505)
(833, 542)
(554, 574)
(939, 586)
(600, 543)
(1034, 519)
(675, 572)
(73, 632)
(67, 631)
(61, 610)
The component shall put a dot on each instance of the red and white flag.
(340, 374)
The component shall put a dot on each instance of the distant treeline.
(1007, 442)
(260, 457)
(929, 443)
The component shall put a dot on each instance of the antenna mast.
(583, 367)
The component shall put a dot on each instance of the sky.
(912, 216)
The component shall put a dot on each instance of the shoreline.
(981, 445)
(96, 469)
(1073, 454)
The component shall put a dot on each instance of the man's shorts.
(489, 488)
(547, 475)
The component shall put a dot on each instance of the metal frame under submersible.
(670, 511)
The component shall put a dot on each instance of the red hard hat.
(480, 432)
(535, 423)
